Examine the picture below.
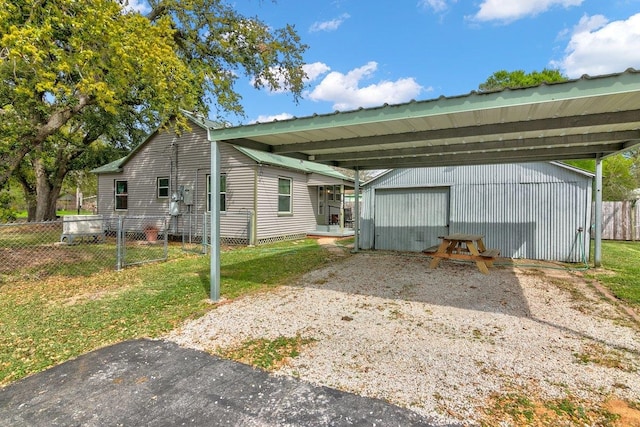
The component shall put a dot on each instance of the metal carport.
(585, 118)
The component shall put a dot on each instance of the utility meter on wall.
(187, 195)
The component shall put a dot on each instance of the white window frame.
(282, 195)
(223, 194)
(163, 187)
(336, 193)
(117, 195)
(321, 200)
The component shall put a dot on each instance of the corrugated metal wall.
(410, 218)
(529, 210)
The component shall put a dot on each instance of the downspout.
(341, 216)
(214, 270)
(356, 211)
(597, 256)
(173, 187)
(253, 239)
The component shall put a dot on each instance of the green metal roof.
(113, 167)
(577, 119)
(292, 163)
(201, 120)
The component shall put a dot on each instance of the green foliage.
(619, 175)
(516, 79)
(7, 213)
(76, 72)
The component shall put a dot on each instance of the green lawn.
(23, 214)
(621, 264)
(45, 322)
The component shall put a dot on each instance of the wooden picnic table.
(467, 247)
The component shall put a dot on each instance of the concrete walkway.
(158, 383)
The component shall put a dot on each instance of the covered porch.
(334, 210)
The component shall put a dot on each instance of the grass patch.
(600, 355)
(622, 276)
(45, 322)
(267, 354)
(523, 409)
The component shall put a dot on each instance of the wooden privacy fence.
(620, 220)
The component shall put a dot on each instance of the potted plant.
(151, 233)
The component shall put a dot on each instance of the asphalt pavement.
(158, 383)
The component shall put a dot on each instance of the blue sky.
(367, 53)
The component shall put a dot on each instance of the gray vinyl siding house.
(264, 197)
(527, 210)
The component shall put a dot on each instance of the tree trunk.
(10, 162)
(29, 198)
(46, 193)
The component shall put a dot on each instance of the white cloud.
(266, 119)
(436, 5)
(601, 47)
(315, 70)
(140, 6)
(332, 25)
(512, 10)
(345, 92)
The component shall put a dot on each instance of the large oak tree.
(79, 72)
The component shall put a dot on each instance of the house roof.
(113, 167)
(263, 157)
(116, 165)
(583, 118)
(257, 156)
(201, 120)
(558, 164)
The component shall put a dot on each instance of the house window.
(336, 193)
(321, 200)
(121, 195)
(223, 193)
(284, 195)
(163, 187)
(330, 192)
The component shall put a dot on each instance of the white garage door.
(410, 219)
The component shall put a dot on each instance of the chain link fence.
(80, 245)
(85, 244)
(236, 229)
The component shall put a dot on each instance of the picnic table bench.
(467, 247)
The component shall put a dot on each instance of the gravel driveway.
(441, 342)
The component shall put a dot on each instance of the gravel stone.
(437, 341)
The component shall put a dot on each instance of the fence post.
(205, 234)
(119, 244)
(633, 220)
(166, 238)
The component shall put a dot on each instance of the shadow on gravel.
(408, 277)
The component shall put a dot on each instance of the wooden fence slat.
(620, 220)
